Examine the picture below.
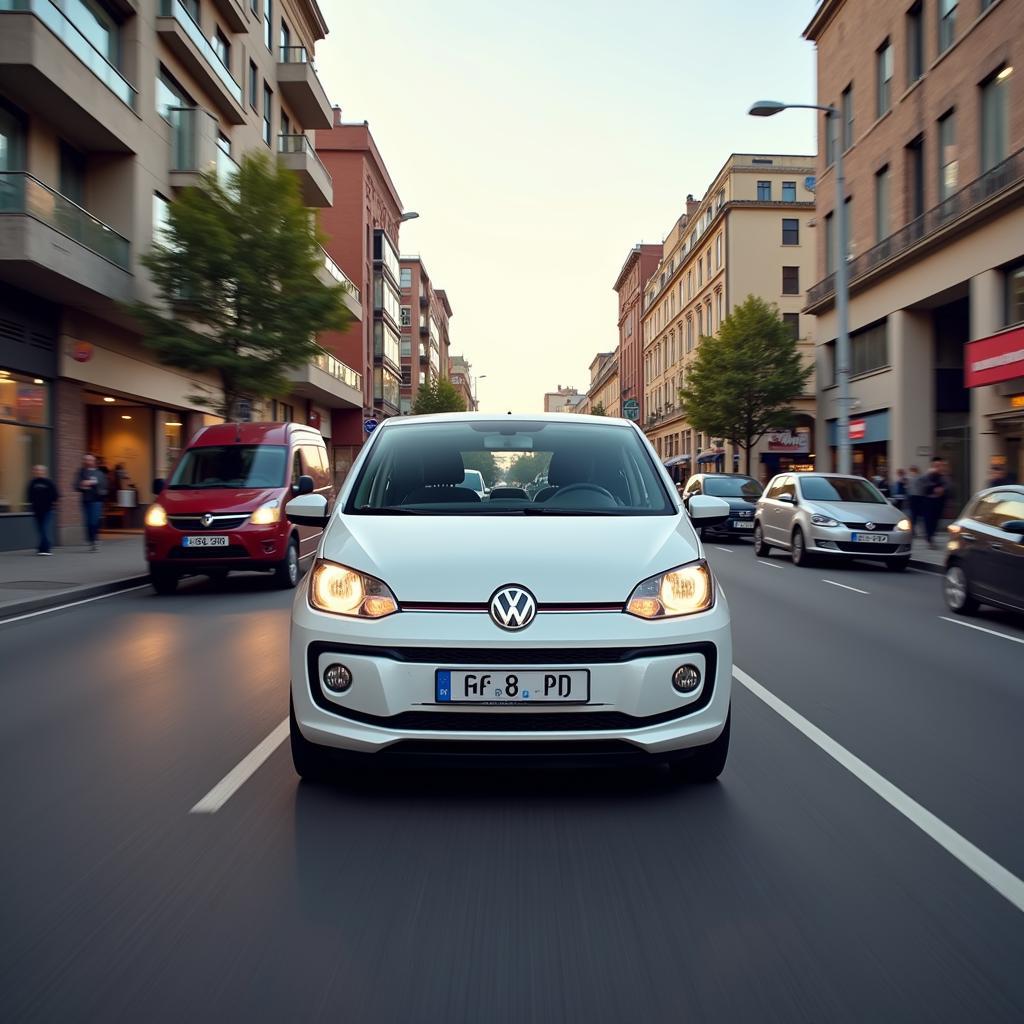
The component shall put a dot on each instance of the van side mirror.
(304, 486)
(158, 485)
(307, 510)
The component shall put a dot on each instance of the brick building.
(425, 316)
(629, 287)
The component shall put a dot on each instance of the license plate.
(204, 542)
(742, 524)
(512, 686)
(869, 538)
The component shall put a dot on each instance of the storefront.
(787, 451)
(678, 467)
(869, 439)
(996, 364)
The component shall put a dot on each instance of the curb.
(34, 604)
(931, 567)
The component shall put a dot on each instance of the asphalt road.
(789, 891)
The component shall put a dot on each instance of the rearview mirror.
(705, 510)
(307, 510)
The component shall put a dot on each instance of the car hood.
(857, 511)
(216, 500)
(464, 559)
(740, 503)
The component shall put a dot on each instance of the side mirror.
(307, 510)
(705, 510)
(1014, 526)
(304, 486)
(158, 485)
(788, 499)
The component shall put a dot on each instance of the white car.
(585, 622)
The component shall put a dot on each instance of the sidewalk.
(29, 582)
(930, 559)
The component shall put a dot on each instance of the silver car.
(828, 514)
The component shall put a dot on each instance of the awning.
(710, 457)
(675, 461)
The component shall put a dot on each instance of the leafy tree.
(484, 463)
(598, 410)
(527, 467)
(236, 272)
(438, 395)
(742, 382)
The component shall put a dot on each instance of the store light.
(37, 380)
(5, 373)
(1004, 74)
(126, 417)
(107, 398)
(172, 423)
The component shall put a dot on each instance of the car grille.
(877, 528)
(867, 549)
(191, 554)
(743, 513)
(219, 522)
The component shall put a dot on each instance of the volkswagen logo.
(513, 608)
(869, 526)
(206, 520)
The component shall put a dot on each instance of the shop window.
(24, 436)
(1015, 295)
(869, 349)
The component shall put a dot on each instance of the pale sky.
(539, 140)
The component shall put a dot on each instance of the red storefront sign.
(858, 428)
(993, 360)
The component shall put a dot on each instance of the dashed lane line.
(242, 772)
(982, 629)
(856, 590)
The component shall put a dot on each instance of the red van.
(222, 507)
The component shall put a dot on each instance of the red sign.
(858, 428)
(82, 352)
(314, 419)
(993, 360)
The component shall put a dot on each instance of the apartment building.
(932, 130)
(108, 108)
(563, 399)
(629, 286)
(460, 372)
(425, 314)
(752, 233)
(604, 396)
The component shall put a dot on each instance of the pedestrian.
(91, 483)
(42, 495)
(998, 474)
(915, 497)
(934, 487)
(881, 483)
(900, 494)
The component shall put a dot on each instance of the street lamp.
(476, 397)
(410, 215)
(768, 108)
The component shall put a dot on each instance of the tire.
(286, 574)
(957, 590)
(706, 763)
(761, 549)
(163, 581)
(897, 564)
(798, 552)
(312, 762)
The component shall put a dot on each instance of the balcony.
(328, 381)
(54, 248)
(49, 67)
(979, 201)
(296, 153)
(331, 274)
(194, 149)
(297, 79)
(185, 39)
(233, 12)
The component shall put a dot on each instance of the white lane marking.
(980, 863)
(856, 590)
(982, 629)
(71, 604)
(771, 565)
(728, 551)
(242, 772)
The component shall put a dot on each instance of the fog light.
(686, 678)
(337, 678)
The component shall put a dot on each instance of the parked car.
(473, 480)
(985, 557)
(740, 491)
(222, 508)
(433, 623)
(831, 516)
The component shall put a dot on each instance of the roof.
(631, 258)
(248, 433)
(822, 16)
(355, 138)
(404, 422)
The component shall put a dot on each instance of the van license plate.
(204, 542)
(512, 686)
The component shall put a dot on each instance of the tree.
(236, 271)
(438, 395)
(484, 463)
(528, 467)
(741, 382)
(598, 410)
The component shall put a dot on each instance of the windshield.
(473, 480)
(591, 469)
(732, 487)
(840, 488)
(231, 465)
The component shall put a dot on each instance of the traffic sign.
(631, 409)
(369, 425)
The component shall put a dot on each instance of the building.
(604, 395)
(460, 373)
(106, 112)
(425, 316)
(751, 234)
(932, 128)
(361, 227)
(629, 287)
(563, 399)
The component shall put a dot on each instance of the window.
(994, 127)
(869, 349)
(253, 86)
(883, 62)
(790, 231)
(831, 130)
(221, 47)
(915, 177)
(405, 277)
(700, 273)
(947, 24)
(689, 285)
(718, 251)
(161, 219)
(790, 280)
(25, 436)
(223, 143)
(999, 508)
(915, 43)
(12, 138)
(268, 17)
(254, 6)
(286, 124)
(789, 191)
(95, 23)
(268, 103)
(286, 41)
(689, 334)
(764, 191)
(792, 321)
(1015, 295)
(169, 94)
(847, 227)
(72, 174)
(882, 203)
(700, 321)
(719, 299)
(830, 243)
(847, 113)
(948, 164)
(986, 4)
(405, 318)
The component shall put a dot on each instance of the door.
(312, 462)
(787, 511)
(771, 511)
(1004, 551)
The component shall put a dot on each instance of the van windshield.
(231, 465)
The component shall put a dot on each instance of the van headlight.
(267, 514)
(682, 591)
(343, 591)
(156, 516)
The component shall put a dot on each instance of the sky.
(539, 140)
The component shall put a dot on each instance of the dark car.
(985, 563)
(740, 491)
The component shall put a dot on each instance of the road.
(789, 891)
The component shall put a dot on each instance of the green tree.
(742, 382)
(236, 271)
(438, 395)
(598, 410)
(528, 467)
(484, 463)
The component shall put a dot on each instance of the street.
(789, 891)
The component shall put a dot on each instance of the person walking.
(915, 498)
(91, 483)
(934, 487)
(42, 495)
(900, 494)
(998, 473)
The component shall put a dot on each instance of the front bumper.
(249, 546)
(391, 703)
(839, 542)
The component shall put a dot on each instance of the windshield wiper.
(548, 510)
(390, 510)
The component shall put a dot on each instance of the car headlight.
(682, 591)
(903, 524)
(267, 514)
(818, 520)
(343, 591)
(156, 516)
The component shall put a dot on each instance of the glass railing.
(293, 55)
(184, 122)
(339, 275)
(21, 193)
(62, 26)
(337, 369)
(177, 10)
(225, 168)
(300, 144)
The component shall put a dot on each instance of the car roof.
(406, 422)
(253, 433)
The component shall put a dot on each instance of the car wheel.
(761, 549)
(958, 592)
(798, 552)
(706, 763)
(311, 761)
(897, 564)
(162, 581)
(286, 575)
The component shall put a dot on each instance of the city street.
(798, 888)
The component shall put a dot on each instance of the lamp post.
(767, 108)
(476, 391)
(408, 215)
